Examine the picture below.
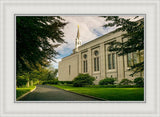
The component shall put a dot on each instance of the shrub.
(126, 86)
(139, 82)
(55, 81)
(21, 81)
(66, 82)
(107, 81)
(111, 86)
(82, 80)
(36, 81)
(126, 82)
(101, 86)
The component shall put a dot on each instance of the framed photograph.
(100, 72)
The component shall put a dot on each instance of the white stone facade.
(95, 59)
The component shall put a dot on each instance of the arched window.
(132, 59)
(111, 59)
(85, 64)
(96, 60)
(69, 69)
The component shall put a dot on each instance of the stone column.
(89, 61)
(121, 65)
(102, 61)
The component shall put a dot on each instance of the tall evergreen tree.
(36, 40)
(134, 33)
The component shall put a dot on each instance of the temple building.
(95, 59)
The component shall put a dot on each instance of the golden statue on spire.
(78, 33)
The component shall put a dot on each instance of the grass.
(111, 94)
(21, 91)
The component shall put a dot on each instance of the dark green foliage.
(45, 75)
(135, 39)
(111, 86)
(139, 82)
(35, 40)
(55, 81)
(82, 80)
(66, 82)
(125, 82)
(107, 81)
(101, 86)
(126, 86)
(21, 81)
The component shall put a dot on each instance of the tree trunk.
(27, 84)
(31, 82)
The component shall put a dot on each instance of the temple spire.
(78, 32)
(77, 41)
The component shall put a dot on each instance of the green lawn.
(111, 94)
(21, 91)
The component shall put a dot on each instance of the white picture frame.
(150, 8)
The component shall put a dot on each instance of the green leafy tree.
(22, 80)
(52, 72)
(133, 31)
(40, 74)
(36, 40)
(139, 82)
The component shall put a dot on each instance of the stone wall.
(68, 68)
(76, 61)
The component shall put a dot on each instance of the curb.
(25, 94)
(80, 94)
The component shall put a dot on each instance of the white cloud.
(90, 28)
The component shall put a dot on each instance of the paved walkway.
(49, 93)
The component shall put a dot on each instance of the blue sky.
(90, 28)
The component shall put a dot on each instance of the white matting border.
(148, 7)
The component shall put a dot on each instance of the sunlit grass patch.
(110, 94)
(21, 91)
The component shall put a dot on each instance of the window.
(69, 69)
(96, 64)
(96, 53)
(85, 64)
(85, 56)
(85, 68)
(129, 60)
(111, 61)
(132, 59)
(96, 60)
